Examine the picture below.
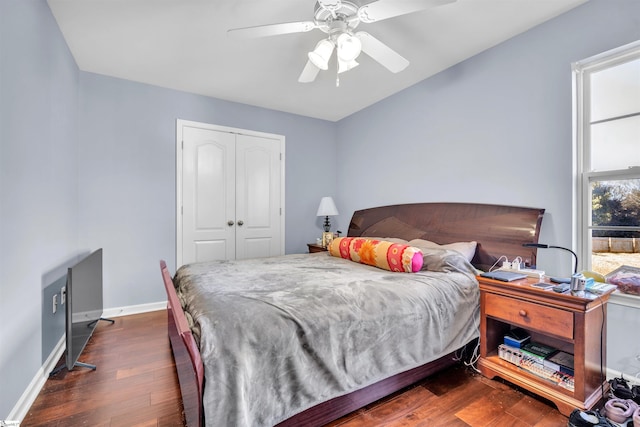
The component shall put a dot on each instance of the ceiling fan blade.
(272, 29)
(382, 53)
(385, 9)
(309, 73)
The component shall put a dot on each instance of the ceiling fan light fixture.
(346, 65)
(349, 47)
(321, 54)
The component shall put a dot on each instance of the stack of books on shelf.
(539, 359)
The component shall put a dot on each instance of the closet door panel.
(208, 195)
(257, 197)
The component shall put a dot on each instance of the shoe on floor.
(619, 387)
(580, 418)
(635, 390)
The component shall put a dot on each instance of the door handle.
(240, 223)
(230, 223)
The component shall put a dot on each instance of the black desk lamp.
(543, 246)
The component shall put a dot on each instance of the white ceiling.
(183, 45)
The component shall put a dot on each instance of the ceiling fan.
(339, 19)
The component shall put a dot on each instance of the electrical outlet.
(63, 295)
(55, 303)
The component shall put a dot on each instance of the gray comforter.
(279, 335)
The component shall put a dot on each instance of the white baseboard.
(134, 309)
(633, 380)
(29, 396)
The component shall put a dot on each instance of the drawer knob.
(523, 313)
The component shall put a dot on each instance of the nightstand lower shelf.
(494, 366)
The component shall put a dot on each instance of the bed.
(304, 339)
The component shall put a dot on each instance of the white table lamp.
(326, 209)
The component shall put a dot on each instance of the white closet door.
(208, 195)
(230, 193)
(257, 197)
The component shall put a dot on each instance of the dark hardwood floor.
(135, 384)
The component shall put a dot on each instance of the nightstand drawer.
(530, 315)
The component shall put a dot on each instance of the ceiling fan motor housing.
(335, 16)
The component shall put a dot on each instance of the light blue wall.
(127, 170)
(38, 186)
(496, 128)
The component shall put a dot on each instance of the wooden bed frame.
(499, 230)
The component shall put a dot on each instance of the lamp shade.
(321, 54)
(346, 66)
(349, 47)
(327, 207)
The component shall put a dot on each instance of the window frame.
(581, 71)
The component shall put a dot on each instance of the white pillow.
(467, 249)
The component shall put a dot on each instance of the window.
(607, 111)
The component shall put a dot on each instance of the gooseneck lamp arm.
(543, 246)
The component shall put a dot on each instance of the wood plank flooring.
(135, 384)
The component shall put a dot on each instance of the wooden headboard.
(499, 230)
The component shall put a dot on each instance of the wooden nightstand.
(573, 324)
(313, 247)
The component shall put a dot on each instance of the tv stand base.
(81, 364)
(90, 325)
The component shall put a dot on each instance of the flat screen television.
(84, 306)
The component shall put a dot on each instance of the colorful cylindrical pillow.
(378, 253)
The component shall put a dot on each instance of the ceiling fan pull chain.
(337, 73)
